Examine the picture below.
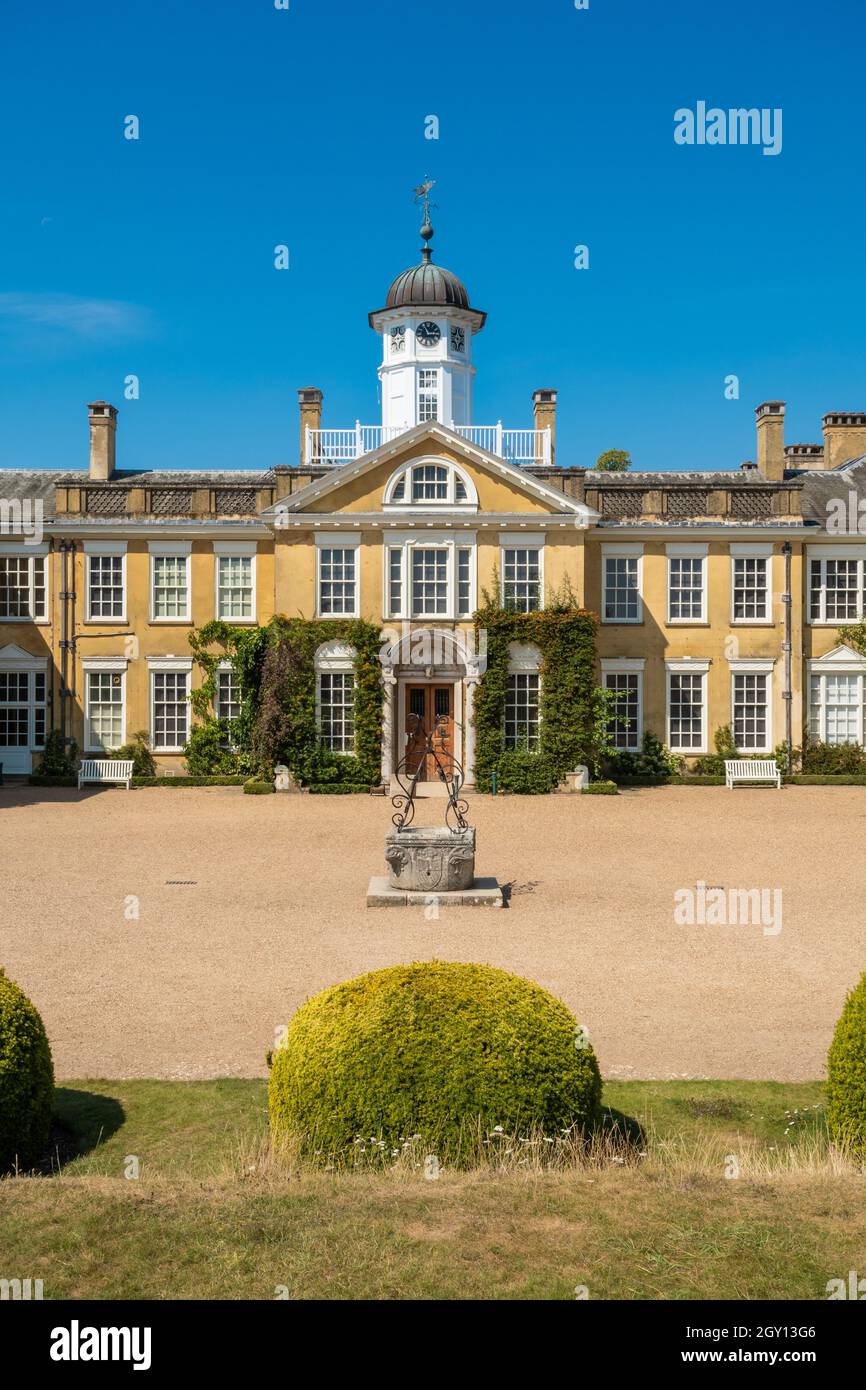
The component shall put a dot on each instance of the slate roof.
(733, 477)
(821, 488)
(21, 483)
(174, 477)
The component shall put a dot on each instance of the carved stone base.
(431, 859)
(485, 892)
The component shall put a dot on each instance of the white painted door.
(16, 717)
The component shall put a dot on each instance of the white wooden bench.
(105, 770)
(751, 770)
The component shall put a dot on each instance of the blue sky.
(306, 127)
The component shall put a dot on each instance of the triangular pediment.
(498, 486)
(843, 656)
(11, 652)
(13, 655)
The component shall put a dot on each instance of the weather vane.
(422, 194)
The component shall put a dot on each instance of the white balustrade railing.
(334, 447)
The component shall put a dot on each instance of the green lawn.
(212, 1214)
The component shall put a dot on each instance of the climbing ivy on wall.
(275, 666)
(565, 637)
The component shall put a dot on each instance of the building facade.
(719, 594)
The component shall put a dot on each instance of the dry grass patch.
(216, 1214)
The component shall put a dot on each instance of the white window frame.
(753, 552)
(754, 666)
(524, 659)
(224, 668)
(171, 550)
(31, 552)
(31, 666)
(688, 552)
(111, 550)
(522, 541)
(435, 390)
(338, 540)
(409, 541)
(622, 552)
(160, 666)
(628, 666)
(823, 553)
(686, 667)
(848, 664)
(336, 658)
(235, 550)
(113, 666)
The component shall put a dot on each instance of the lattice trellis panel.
(621, 505)
(171, 501)
(235, 501)
(751, 505)
(105, 501)
(682, 505)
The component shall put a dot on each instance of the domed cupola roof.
(427, 286)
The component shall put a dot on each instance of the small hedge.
(26, 1080)
(600, 789)
(35, 780)
(339, 789)
(678, 781)
(186, 781)
(252, 787)
(524, 774)
(846, 1075)
(432, 1050)
(834, 759)
(802, 779)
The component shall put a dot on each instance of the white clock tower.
(427, 328)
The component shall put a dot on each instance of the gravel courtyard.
(169, 933)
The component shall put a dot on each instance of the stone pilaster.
(469, 729)
(389, 683)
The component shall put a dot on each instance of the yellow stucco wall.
(136, 638)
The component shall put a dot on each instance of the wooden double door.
(429, 710)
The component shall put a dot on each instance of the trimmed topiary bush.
(434, 1050)
(600, 789)
(58, 757)
(253, 787)
(846, 1075)
(26, 1080)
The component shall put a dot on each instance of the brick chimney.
(770, 418)
(310, 405)
(103, 440)
(844, 436)
(544, 411)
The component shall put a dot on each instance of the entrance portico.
(428, 674)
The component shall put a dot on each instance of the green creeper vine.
(275, 666)
(565, 637)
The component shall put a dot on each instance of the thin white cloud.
(69, 314)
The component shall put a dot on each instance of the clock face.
(458, 338)
(398, 339)
(428, 334)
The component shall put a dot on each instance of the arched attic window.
(431, 483)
